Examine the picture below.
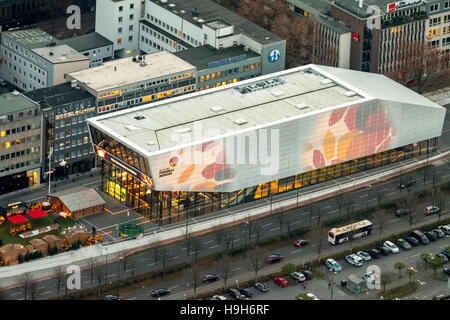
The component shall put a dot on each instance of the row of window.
(220, 74)
(72, 121)
(223, 83)
(33, 126)
(19, 153)
(435, 7)
(71, 143)
(19, 165)
(69, 132)
(73, 154)
(21, 115)
(30, 65)
(15, 142)
(24, 51)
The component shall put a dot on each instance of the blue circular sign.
(274, 55)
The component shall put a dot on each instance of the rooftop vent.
(163, 1)
(195, 18)
(326, 81)
(302, 106)
(216, 108)
(151, 143)
(172, 5)
(240, 122)
(73, 83)
(182, 11)
(143, 63)
(139, 117)
(131, 127)
(51, 53)
(195, 12)
(183, 130)
(277, 93)
(15, 92)
(350, 94)
(200, 20)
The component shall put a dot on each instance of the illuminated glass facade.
(164, 207)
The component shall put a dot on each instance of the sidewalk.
(43, 268)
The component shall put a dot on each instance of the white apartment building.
(92, 45)
(438, 25)
(118, 21)
(33, 59)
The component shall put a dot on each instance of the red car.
(300, 243)
(282, 282)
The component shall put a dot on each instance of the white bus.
(354, 230)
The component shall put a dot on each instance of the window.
(434, 7)
(131, 16)
(130, 38)
(131, 5)
(120, 8)
(120, 19)
(120, 30)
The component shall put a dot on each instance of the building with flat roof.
(129, 82)
(64, 110)
(20, 142)
(438, 26)
(189, 154)
(32, 59)
(92, 45)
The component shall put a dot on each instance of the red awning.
(38, 213)
(17, 219)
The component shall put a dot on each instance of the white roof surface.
(79, 198)
(306, 90)
(60, 54)
(124, 71)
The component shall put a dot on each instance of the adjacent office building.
(32, 59)
(92, 45)
(438, 25)
(20, 142)
(65, 138)
(200, 153)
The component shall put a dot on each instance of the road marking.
(174, 258)
(384, 189)
(182, 249)
(89, 281)
(295, 251)
(294, 223)
(206, 242)
(331, 212)
(266, 225)
(304, 214)
(364, 195)
(443, 246)
(238, 268)
(46, 292)
(416, 255)
(394, 220)
(216, 246)
(327, 207)
(15, 294)
(274, 229)
(134, 298)
(235, 240)
(111, 275)
(174, 287)
(390, 194)
(151, 264)
(145, 259)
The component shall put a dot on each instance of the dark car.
(158, 292)
(236, 294)
(274, 258)
(246, 292)
(301, 243)
(374, 253)
(439, 233)
(210, 278)
(431, 235)
(446, 253)
(402, 212)
(385, 251)
(447, 271)
(412, 241)
(402, 243)
(442, 257)
(261, 287)
(111, 297)
(308, 274)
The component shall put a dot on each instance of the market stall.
(19, 223)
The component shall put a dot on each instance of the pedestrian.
(304, 285)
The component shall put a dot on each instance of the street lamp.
(237, 284)
(331, 285)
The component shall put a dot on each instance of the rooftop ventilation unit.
(172, 5)
(139, 117)
(182, 11)
(151, 143)
(326, 81)
(240, 122)
(350, 94)
(73, 83)
(277, 93)
(163, 1)
(183, 130)
(200, 20)
(216, 108)
(15, 92)
(143, 63)
(302, 106)
(195, 18)
(195, 12)
(131, 127)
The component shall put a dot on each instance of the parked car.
(442, 257)
(261, 287)
(431, 210)
(402, 243)
(308, 274)
(445, 229)
(420, 237)
(384, 251)
(112, 297)
(447, 271)
(446, 253)
(431, 235)
(312, 296)
(412, 241)
(298, 276)
(406, 184)
(273, 258)
(402, 212)
(333, 265)
(234, 293)
(354, 260)
(246, 292)
(364, 255)
(217, 297)
(439, 233)
(280, 281)
(391, 246)
(301, 243)
(158, 292)
(374, 253)
(210, 278)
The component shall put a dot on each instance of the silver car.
(364, 255)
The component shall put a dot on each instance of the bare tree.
(381, 220)
(196, 246)
(224, 269)
(257, 229)
(2, 294)
(280, 217)
(59, 272)
(410, 203)
(34, 291)
(340, 202)
(219, 234)
(99, 272)
(318, 235)
(91, 264)
(165, 256)
(155, 250)
(440, 200)
(287, 222)
(256, 260)
(24, 281)
(188, 239)
(194, 277)
(229, 239)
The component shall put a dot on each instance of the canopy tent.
(17, 219)
(36, 214)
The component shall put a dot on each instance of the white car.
(217, 297)
(364, 255)
(354, 260)
(298, 276)
(333, 265)
(391, 246)
(313, 296)
(445, 229)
